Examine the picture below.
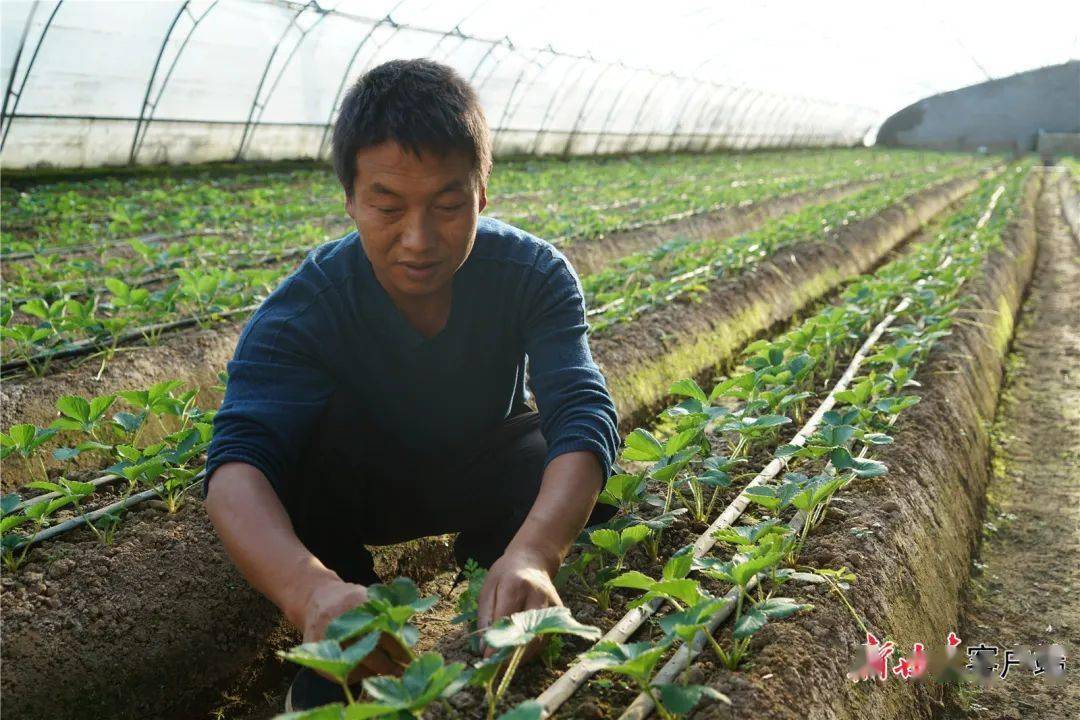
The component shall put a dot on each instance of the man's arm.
(577, 418)
(259, 538)
(522, 578)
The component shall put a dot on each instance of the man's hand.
(519, 580)
(522, 578)
(329, 600)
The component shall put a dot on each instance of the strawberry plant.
(637, 661)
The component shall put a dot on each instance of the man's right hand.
(330, 599)
(259, 537)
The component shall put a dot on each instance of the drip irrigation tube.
(566, 685)
(80, 520)
(85, 347)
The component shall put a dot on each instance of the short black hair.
(421, 105)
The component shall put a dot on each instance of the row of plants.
(110, 445)
(70, 213)
(767, 550)
(258, 232)
(262, 238)
(35, 331)
(683, 266)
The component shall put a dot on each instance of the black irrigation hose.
(90, 345)
(89, 517)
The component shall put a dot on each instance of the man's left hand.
(519, 580)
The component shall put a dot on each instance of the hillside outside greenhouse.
(477, 360)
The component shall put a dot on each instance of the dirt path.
(1026, 590)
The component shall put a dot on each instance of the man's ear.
(350, 204)
(483, 196)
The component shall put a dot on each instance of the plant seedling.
(637, 662)
(467, 603)
(618, 543)
(24, 440)
(425, 680)
(517, 631)
(388, 609)
(328, 657)
(673, 585)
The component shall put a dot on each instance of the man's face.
(416, 216)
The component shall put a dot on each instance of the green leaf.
(777, 608)
(11, 521)
(633, 579)
(842, 460)
(363, 711)
(767, 421)
(622, 489)
(522, 627)
(786, 451)
(328, 656)
(635, 660)
(22, 435)
(605, 539)
(66, 424)
(9, 502)
(689, 388)
(681, 440)
(834, 435)
(749, 623)
(351, 624)
(764, 496)
(688, 622)
(65, 454)
(678, 565)
(117, 287)
(642, 445)
(684, 590)
(74, 407)
(527, 710)
(682, 699)
(424, 680)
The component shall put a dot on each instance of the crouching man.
(378, 395)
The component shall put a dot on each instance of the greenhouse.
(511, 361)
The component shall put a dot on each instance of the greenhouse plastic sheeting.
(169, 81)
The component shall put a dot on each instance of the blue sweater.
(330, 327)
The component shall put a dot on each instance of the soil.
(78, 611)
(174, 642)
(1025, 589)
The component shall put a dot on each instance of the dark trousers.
(356, 486)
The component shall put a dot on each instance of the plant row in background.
(95, 211)
(710, 436)
(259, 233)
(39, 329)
(656, 277)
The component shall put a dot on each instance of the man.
(378, 395)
